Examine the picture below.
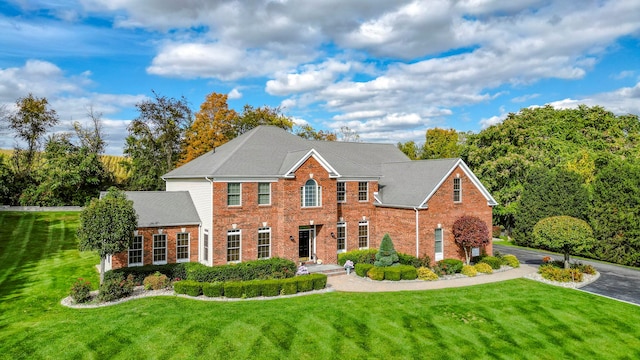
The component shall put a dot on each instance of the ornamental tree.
(387, 254)
(107, 225)
(564, 234)
(470, 232)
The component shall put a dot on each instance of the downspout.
(417, 234)
(211, 222)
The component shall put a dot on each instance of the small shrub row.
(366, 256)
(274, 268)
(362, 269)
(553, 273)
(252, 288)
(448, 267)
(139, 273)
(393, 273)
(116, 288)
(416, 262)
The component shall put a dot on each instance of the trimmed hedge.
(319, 281)
(406, 259)
(233, 289)
(493, 261)
(172, 271)
(188, 287)
(289, 286)
(376, 273)
(305, 283)
(274, 268)
(366, 256)
(393, 273)
(252, 288)
(215, 289)
(362, 269)
(408, 272)
(271, 287)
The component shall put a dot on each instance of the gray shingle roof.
(163, 208)
(268, 151)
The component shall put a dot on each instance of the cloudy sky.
(388, 69)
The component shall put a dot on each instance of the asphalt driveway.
(615, 281)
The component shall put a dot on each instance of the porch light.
(333, 235)
(310, 222)
(292, 238)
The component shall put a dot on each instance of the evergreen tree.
(387, 254)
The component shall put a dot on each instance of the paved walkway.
(354, 283)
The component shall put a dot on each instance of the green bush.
(425, 273)
(187, 287)
(511, 260)
(215, 289)
(450, 266)
(483, 268)
(116, 288)
(271, 287)
(406, 259)
(366, 256)
(319, 281)
(274, 268)
(493, 261)
(289, 286)
(156, 281)
(80, 291)
(252, 288)
(408, 272)
(362, 269)
(233, 289)
(554, 273)
(469, 270)
(376, 273)
(305, 283)
(587, 269)
(393, 273)
(139, 273)
(387, 254)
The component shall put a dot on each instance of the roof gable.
(312, 154)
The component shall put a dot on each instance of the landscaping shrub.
(376, 273)
(362, 269)
(469, 270)
(553, 273)
(233, 289)
(387, 254)
(450, 266)
(425, 273)
(483, 268)
(587, 269)
(156, 281)
(252, 288)
(493, 261)
(319, 281)
(366, 256)
(305, 283)
(393, 273)
(215, 289)
(511, 260)
(289, 286)
(172, 271)
(271, 287)
(408, 272)
(274, 268)
(80, 291)
(187, 287)
(406, 259)
(116, 287)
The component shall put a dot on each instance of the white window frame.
(163, 248)
(439, 255)
(141, 250)
(457, 190)
(205, 247)
(343, 236)
(304, 194)
(341, 194)
(178, 246)
(230, 233)
(264, 230)
(365, 191)
(365, 225)
(267, 194)
(239, 194)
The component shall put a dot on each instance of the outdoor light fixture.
(291, 238)
(333, 235)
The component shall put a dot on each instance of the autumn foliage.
(470, 232)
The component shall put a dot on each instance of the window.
(438, 243)
(182, 243)
(363, 191)
(233, 245)
(205, 248)
(264, 243)
(160, 249)
(264, 194)
(310, 194)
(135, 251)
(457, 190)
(342, 237)
(363, 235)
(234, 191)
(342, 191)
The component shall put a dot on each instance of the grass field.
(518, 319)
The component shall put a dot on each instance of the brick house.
(269, 193)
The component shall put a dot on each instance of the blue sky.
(387, 69)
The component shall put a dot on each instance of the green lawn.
(515, 319)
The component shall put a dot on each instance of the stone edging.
(587, 279)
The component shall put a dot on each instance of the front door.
(305, 243)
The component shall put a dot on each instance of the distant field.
(517, 319)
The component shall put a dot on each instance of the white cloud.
(234, 94)
(625, 100)
(494, 120)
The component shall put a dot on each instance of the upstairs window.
(342, 191)
(234, 191)
(457, 190)
(264, 194)
(363, 191)
(310, 194)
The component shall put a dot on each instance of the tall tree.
(253, 117)
(154, 140)
(6, 180)
(308, 132)
(564, 234)
(213, 126)
(441, 144)
(410, 148)
(107, 226)
(470, 232)
(347, 134)
(91, 137)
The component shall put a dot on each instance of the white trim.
(303, 197)
(269, 203)
(312, 153)
(153, 249)
(367, 191)
(141, 263)
(188, 247)
(341, 224)
(242, 179)
(344, 197)
(364, 223)
(490, 200)
(438, 255)
(233, 232)
(264, 230)
(240, 202)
